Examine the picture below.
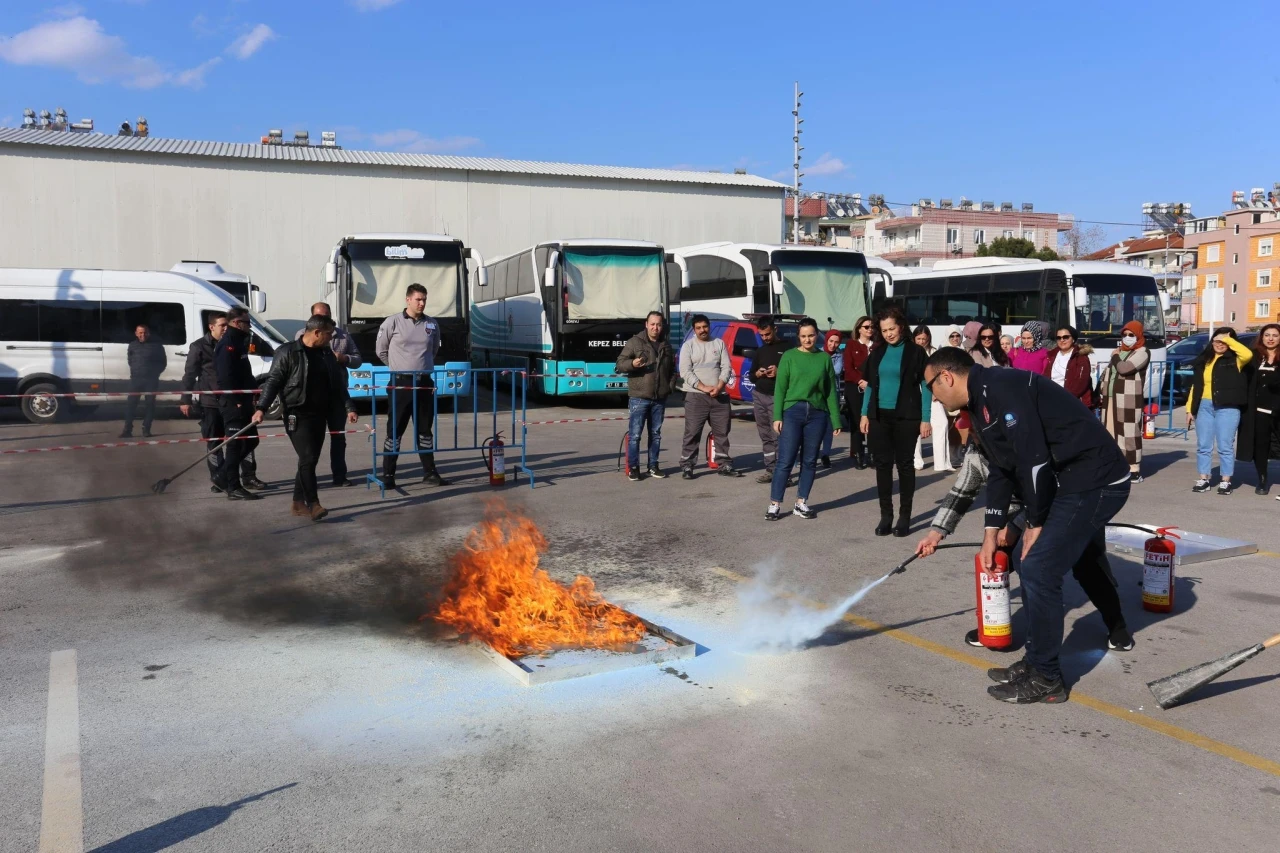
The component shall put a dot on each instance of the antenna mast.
(795, 189)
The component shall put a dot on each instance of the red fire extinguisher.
(624, 454)
(1149, 420)
(995, 623)
(1159, 554)
(495, 460)
(711, 453)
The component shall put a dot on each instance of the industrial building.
(274, 212)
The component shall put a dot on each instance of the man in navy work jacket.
(1072, 479)
(231, 362)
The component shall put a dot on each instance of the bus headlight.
(361, 374)
(575, 371)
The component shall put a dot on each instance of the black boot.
(886, 517)
(430, 475)
(389, 473)
(903, 527)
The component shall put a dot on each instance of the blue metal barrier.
(1160, 393)
(485, 406)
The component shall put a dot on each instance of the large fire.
(497, 594)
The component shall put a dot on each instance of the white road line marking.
(62, 816)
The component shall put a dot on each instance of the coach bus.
(1097, 297)
(367, 275)
(729, 281)
(563, 309)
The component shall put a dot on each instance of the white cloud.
(67, 10)
(372, 5)
(413, 142)
(251, 42)
(79, 45)
(193, 78)
(824, 165)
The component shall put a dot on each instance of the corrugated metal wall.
(277, 223)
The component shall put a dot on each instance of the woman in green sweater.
(805, 405)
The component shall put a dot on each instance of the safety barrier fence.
(511, 414)
(1165, 396)
(155, 442)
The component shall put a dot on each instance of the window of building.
(1213, 254)
(1264, 278)
(1029, 234)
(1262, 308)
(1237, 230)
(1257, 220)
(1235, 257)
(979, 236)
(1008, 233)
(1210, 281)
(1233, 316)
(1234, 287)
(953, 234)
(1264, 247)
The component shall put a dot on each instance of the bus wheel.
(39, 409)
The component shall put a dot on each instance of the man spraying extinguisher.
(1051, 452)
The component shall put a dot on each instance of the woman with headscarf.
(1032, 354)
(1122, 394)
(987, 351)
(831, 346)
(955, 339)
(970, 334)
(1006, 344)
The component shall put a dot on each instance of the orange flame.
(497, 594)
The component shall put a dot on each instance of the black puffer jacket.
(146, 359)
(655, 380)
(288, 378)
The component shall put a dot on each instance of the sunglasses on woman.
(1064, 337)
(987, 338)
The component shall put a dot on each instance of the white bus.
(729, 281)
(563, 309)
(368, 274)
(1097, 297)
(241, 287)
(65, 331)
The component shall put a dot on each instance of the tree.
(1015, 247)
(1079, 241)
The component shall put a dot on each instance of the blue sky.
(1088, 108)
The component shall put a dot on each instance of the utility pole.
(795, 189)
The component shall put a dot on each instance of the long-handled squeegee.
(1172, 689)
(161, 485)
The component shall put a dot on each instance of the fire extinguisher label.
(499, 465)
(996, 621)
(1157, 577)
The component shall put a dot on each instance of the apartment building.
(922, 234)
(1238, 251)
(1165, 257)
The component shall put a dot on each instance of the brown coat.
(1122, 408)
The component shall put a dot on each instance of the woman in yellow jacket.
(1219, 393)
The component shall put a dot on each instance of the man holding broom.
(1072, 479)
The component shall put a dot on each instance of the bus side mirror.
(684, 278)
(1081, 298)
(1164, 300)
(549, 277)
(482, 276)
(257, 300)
(331, 273)
(775, 278)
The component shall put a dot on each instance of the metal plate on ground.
(1191, 547)
(658, 645)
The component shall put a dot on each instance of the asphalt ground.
(245, 681)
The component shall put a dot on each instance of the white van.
(68, 331)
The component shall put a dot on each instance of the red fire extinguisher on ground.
(495, 460)
(1159, 554)
(995, 623)
(711, 453)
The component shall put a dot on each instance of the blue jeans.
(802, 427)
(1076, 526)
(1220, 425)
(642, 412)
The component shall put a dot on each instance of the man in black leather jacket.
(307, 378)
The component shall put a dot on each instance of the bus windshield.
(830, 287)
(1118, 299)
(609, 284)
(380, 274)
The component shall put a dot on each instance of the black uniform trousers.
(418, 404)
(307, 431)
(213, 431)
(892, 441)
(337, 425)
(148, 403)
(234, 417)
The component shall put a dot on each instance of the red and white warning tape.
(120, 395)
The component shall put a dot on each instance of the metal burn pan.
(658, 646)
(1191, 547)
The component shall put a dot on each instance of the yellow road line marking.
(61, 814)
(1187, 736)
(1266, 554)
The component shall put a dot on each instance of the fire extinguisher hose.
(902, 567)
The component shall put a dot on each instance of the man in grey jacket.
(707, 372)
(409, 341)
(347, 354)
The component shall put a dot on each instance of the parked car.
(1179, 357)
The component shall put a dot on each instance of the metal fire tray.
(1192, 547)
(659, 645)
